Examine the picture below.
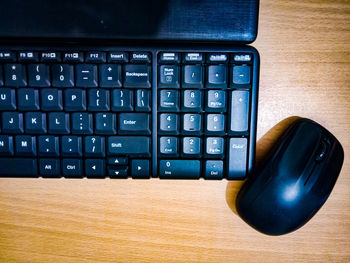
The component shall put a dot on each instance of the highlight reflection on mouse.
(294, 179)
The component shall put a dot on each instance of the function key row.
(76, 57)
(194, 57)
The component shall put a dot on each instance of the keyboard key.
(193, 57)
(12, 122)
(28, 99)
(15, 75)
(81, 123)
(95, 57)
(216, 101)
(122, 100)
(129, 145)
(217, 58)
(48, 145)
(137, 76)
(118, 172)
(49, 167)
(38, 75)
(215, 147)
(71, 146)
(28, 56)
(25, 145)
(59, 123)
(50, 57)
(169, 76)
(215, 124)
(98, 100)
(117, 161)
(140, 169)
(110, 76)
(143, 57)
(169, 57)
(86, 76)
(72, 168)
(95, 168)
(105, 123)
(134, 123)
(118, 57)
(143, 100)
(7, 56)
(9, 167)
(35, 122)
(1, 77)
(237, 158)
(168, 100)
(51, 100)
(74, 100)
(7, 99)
(73, 57)
(168, 124)
(191, 147)
(192, 76)
(62, 76)
(240, 75)
(6, 146)
(168, 146)
(241, 58)
(179, 169)
(239, 111)
(214, 170)
(192, 124)
(216, 76)
(192, 100)
(94, 146)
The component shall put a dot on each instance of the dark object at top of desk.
(294, 182)
(202, 20)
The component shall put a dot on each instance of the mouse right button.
(237, 156)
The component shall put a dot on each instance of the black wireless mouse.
(295, 180)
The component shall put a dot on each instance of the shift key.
(129, 145)
(134, 123)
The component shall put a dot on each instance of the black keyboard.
(119, 112)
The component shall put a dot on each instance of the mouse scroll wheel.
(321, 151)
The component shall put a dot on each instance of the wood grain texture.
(305, 71)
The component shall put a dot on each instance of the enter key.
(134, 123)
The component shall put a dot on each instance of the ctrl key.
(72, 168)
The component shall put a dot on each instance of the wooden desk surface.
(305, 71)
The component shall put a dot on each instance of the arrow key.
(95, 168)
(120, 172)
(117, 161)
(140, 169)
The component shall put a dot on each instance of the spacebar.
(19, 167)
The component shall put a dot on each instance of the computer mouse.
(295, 180)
